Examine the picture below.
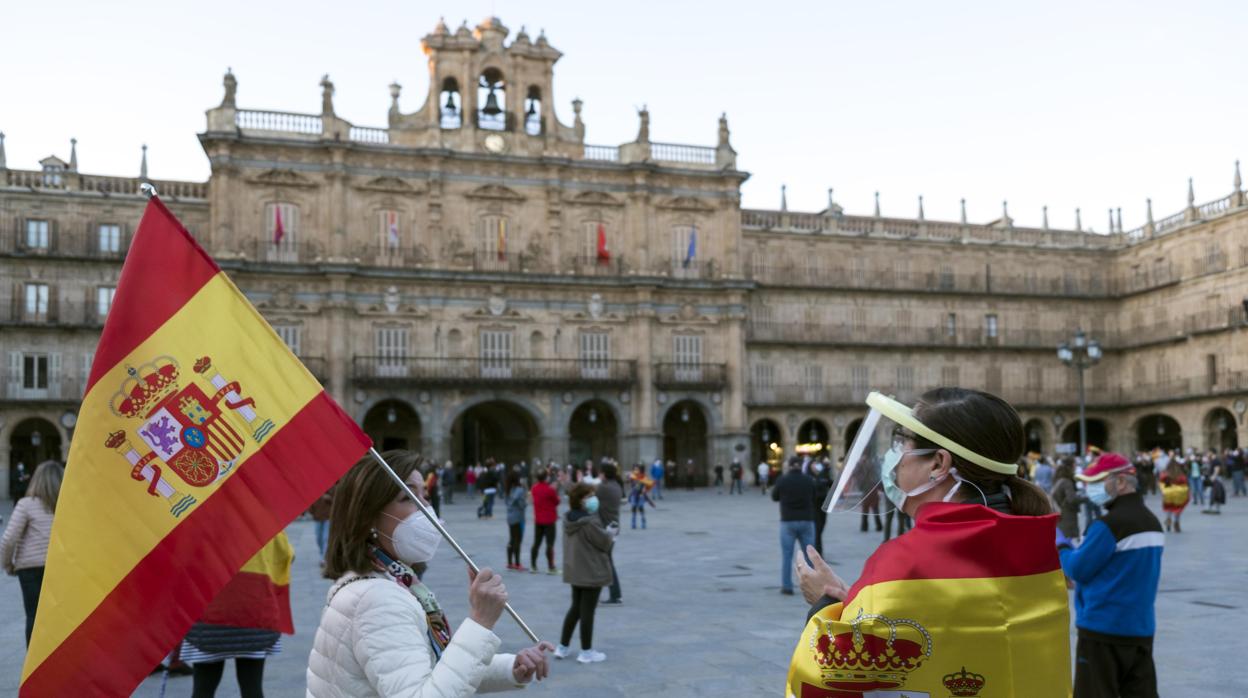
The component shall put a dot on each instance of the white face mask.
(415, 538)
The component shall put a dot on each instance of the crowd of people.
(1107, 547)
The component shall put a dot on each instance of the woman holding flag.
(382, 631)
(971, 598)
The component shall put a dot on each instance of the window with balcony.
(34, 372)
(687, 245)
(595, 354)
(390, 348)
(492, 238)
(990, 326)
(496, 353)
(389, 225)
(109, 238)
(905, 380)
(946, 278)
(36, 307)
(812, 379)
(951, 325)
(687, 351)
(992, 379)
(104, 301)
(37, 234)
(764, 375)
(284, 217)
(860, 381)
(34, 375)
(291, 335)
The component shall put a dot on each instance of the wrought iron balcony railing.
(484, 371)
(690, 376)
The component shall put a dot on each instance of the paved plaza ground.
(703, 615)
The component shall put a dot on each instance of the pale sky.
(1090, 104)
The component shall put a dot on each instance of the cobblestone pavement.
(703, 614)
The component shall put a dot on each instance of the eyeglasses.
(901, 436)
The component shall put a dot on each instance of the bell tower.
(489, 96)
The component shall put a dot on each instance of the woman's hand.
(486, 597)
(531, 662)
(817, 579)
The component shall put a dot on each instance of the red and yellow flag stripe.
(138, 550)
(970, 597)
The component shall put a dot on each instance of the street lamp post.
(1080, 353)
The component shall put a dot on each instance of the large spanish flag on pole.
(199, 438)
(970, 602)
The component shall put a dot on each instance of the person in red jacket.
(545, 514)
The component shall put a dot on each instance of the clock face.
(495, 143)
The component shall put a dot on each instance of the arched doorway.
(851, 433)
(497, 429)
(1098, 433)
(685, 439)
(32, 442)
(393, 424)
(766, 443)
(1034, 432)
(1220, 429)
(593, 432)
(1158, 431)
(813, 439)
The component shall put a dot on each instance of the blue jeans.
(801, 532)
(658, 487)
(487, 505)
(737, 486)
(1237, 482)
(322, 535)
(1198, 490)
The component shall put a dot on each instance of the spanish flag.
(970, 602)
(199, 438)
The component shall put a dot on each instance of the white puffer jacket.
(373, 641)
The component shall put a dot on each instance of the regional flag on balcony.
(199, 438)
(970, 599)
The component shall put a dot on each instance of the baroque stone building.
(474, 280)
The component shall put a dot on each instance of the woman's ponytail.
(1026, 498)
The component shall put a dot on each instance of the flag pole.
(446, 535)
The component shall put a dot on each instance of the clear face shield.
(868, 481)
(860, 484)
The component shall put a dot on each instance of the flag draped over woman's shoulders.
(971, 602)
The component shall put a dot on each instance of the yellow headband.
(904, 416)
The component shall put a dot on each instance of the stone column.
(337, 351)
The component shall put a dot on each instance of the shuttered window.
(595, 354)
(391, 351)
(496, 353)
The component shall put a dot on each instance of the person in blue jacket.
(1116, 568)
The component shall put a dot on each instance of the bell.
(532, 108)
(450, 101)
(491, 105)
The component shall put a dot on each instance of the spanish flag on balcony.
(199, 438)
(971, 602)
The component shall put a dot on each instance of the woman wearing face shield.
(382, 632)
(972, 596)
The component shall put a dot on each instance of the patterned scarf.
(439, 628)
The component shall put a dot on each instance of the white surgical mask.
(591, 505)
(415, 538)
(888, 476)
(1097, 494)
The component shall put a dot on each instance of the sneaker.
(786, 592)
(590, 656)
(553, 571)
(612, 602)
(533, 569)
(521, 568)
(562, 652)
